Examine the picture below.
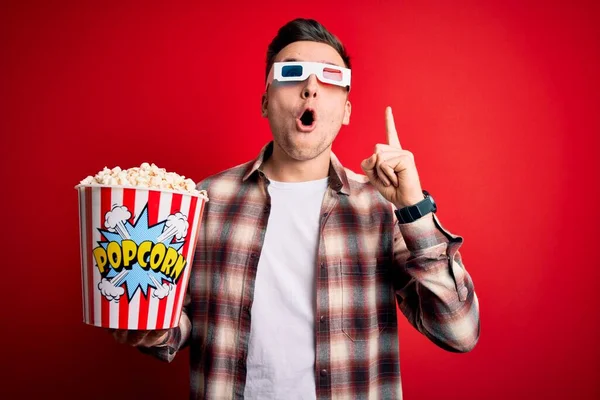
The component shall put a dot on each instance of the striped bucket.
(137, 250)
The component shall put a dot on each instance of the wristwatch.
(416, 211)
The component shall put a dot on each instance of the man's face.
(290, 105)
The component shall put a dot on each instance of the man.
(300, 261)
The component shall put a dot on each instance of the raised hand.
(392, 170)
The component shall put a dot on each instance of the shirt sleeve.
(433, 289)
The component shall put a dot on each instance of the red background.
(497, 100)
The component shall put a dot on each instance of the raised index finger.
(390, 128)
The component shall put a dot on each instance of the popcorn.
(145, 176)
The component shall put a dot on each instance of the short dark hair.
(303, 29)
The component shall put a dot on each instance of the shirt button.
(253, 256)
(267, 209)
(323, 372)
(323, 266)
(325, 215)
(322, 318)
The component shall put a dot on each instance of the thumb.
(368, 164)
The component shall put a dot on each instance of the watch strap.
(416, 211)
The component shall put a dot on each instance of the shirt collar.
(338, 179)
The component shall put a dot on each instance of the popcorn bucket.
(137, 250)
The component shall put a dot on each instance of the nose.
(311, 87)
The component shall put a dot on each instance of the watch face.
(433, 203)
(427, 195)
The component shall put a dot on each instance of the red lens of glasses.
(333, 74)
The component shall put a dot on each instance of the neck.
(280, 167)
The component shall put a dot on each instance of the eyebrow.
(322, 62)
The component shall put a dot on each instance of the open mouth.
(307, 118)
(307, 121)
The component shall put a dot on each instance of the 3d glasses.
(298, 71)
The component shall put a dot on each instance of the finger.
(135, 338)
(399, 163)
(129, 337)
(156, 337)
(390, 173)
(382, 177)
(369, 163)
(119, 335)
(387, 170)
(390, 128)
(388, 154)
(368, 166)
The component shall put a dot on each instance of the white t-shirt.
(281, 352)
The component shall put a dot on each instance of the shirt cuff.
(425, 232)
(166, 350)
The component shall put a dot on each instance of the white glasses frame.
(320, 70)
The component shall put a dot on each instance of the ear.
(347, 112)
(264, 104)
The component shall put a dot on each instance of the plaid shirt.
(366, 261)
